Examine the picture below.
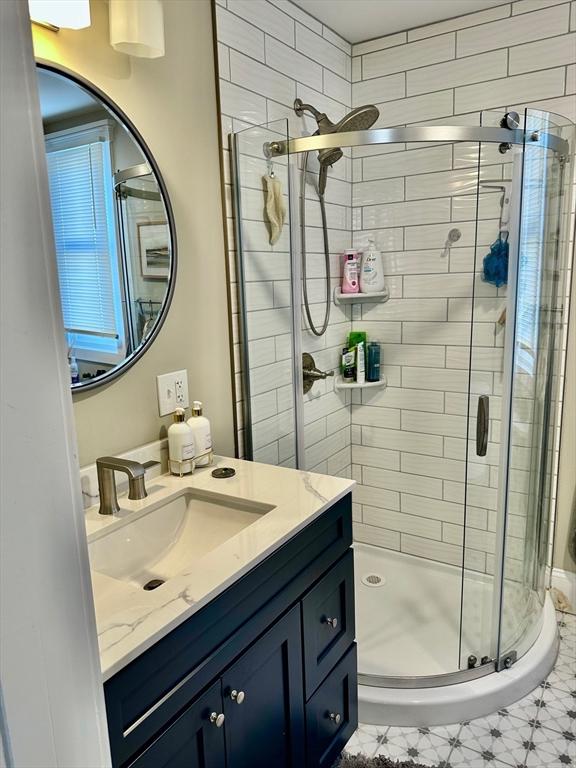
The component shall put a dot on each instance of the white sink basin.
(166, 540)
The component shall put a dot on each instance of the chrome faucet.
(105, 467)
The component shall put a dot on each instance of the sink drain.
(153, 584)
(373, 580)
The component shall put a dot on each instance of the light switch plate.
(172, 391)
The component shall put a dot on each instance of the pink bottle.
(350, 272)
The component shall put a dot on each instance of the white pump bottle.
(372, 270)
(202, 435)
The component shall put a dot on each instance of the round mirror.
(113, 229)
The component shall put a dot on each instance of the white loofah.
(275, 208)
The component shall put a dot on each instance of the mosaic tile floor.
(539, 731)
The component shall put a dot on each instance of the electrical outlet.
(172, 391)
(181, 389)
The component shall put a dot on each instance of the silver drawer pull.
(237, 696)
(335, 717)
(217, 719)
(331, 622)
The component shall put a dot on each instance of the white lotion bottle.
(181, 447)
(200, 427)
(360, 363)
(372, 270)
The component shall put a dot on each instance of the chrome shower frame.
(442, 133)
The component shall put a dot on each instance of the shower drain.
(373, 580)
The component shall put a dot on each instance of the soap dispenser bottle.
(181, 447)
(372, 270)
(200, 427)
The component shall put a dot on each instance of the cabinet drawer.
(332, 713)
(328, 621)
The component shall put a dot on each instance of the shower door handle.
(482, 425)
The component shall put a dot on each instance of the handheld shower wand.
(359, 119)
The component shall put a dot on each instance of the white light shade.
(65, 14)
(137, 27)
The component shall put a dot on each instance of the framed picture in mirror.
(154, 248)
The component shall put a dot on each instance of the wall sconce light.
(60, 14)
(137, 27)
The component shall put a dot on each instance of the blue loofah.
(496, 262)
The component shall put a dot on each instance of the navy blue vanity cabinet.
(263, 676)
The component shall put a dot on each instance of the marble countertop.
(130, 620)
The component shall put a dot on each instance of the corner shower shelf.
(353, 298)
(339, 384)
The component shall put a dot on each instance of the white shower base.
(410, 627)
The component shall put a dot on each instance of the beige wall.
(172, 101)
(567, 474)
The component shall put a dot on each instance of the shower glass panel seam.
(241, 288)
(296, 266)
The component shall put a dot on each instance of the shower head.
(360, 119)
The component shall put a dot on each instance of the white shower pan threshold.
(408, 625)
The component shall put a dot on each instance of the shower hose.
(313, 328)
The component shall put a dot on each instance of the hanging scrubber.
(275, 208)
(496, 262)
(495, 268)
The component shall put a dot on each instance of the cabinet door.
(264, 700)
(194, 740)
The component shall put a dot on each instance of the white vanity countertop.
(130, 620)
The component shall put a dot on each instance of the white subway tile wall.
(410, 439)
(406, 444)
(269, 53)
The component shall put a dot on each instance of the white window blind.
(79, 173)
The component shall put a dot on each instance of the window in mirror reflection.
(112, 238)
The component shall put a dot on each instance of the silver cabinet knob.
(335, 717)
(217, 719)
(331, 622)
(237, 696)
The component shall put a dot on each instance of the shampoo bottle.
(74, 371)
(350, 272)
(181, 448)
(371, 270)
(200, 427)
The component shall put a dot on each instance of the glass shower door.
(532, 415)
(497, 209)
(513, 399)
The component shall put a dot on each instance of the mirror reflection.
(111, 229)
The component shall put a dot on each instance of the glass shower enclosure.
(455, 451)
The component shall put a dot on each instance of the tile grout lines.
(475, 740)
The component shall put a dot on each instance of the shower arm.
(300, 108)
